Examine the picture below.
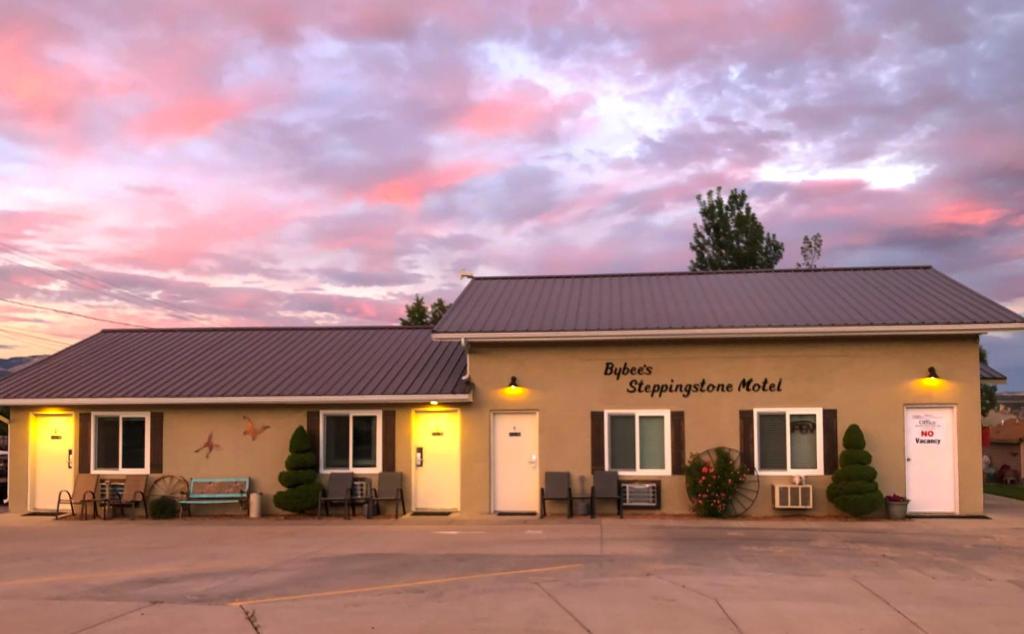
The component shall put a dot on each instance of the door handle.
(69, 458)
(419, 456)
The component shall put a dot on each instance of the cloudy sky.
(188, 163)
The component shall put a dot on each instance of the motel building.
(525, 375)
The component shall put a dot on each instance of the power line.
(38, 342)
(71, 313)
(25, 333)
(76, 277)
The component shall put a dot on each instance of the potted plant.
(896, 506)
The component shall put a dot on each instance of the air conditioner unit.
(641, 494)
(793, 496)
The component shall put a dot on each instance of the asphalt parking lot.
(437, 574)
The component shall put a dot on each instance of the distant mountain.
(16, 363)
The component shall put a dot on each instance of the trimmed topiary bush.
(300, 479)
(163, 508)
(853, 489)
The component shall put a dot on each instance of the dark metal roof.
(795, 298)
(246, 362)
(992, 375)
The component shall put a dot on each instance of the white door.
(52, 441)
(516, 479)
(931, 462)
(436, 461)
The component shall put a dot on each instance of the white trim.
(120, 454)
(819, 412)
(352, 413)
(731, 333)
(955, 450)
(637, 413)
(241, 400)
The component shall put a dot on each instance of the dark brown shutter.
(597, 441)
(84, 442)
(156, 442)
(313, 429)
(747, 440)
(678, 420)
(388, 440)
(830, 440)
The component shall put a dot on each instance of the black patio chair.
(606, 487)
(558, 487)
(389, 489)
(338, 491)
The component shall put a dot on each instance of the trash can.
(255, 505)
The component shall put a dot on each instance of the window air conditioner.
(640, 494)
(793, 496)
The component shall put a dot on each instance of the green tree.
(988, 392)
(300, 478)
(437, 310)
(853, 489)
(810, 252)
(418, 314)
(730, 236)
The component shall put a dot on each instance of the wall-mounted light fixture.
(513, 387)
(932, 374)
(433, 402)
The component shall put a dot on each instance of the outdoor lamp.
(513, 386)
(932, 374)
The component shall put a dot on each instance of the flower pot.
(897, 510)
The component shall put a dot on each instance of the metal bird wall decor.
(209, 446)
(251, 430)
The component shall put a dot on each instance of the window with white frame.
(788, 441)
(350, 441)
(120, 442)
(637, 442)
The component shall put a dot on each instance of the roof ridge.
(265, 328)
(697, 273)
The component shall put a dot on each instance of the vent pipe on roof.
(465, 346)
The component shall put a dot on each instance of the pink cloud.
(525, 109)
(410, 189)
(188, 117)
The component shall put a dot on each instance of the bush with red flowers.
(712, 484)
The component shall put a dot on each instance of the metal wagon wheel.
(746, 493)
(171, 486)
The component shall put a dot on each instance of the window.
(351, 441)
(120, 442)
(637, 442)
(788, 441)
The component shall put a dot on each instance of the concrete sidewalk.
(608, 575)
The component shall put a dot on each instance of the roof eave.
(240, 400)
(726, 333)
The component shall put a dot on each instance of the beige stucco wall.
(869, 381)
(186, 428)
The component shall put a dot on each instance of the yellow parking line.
(405, 584)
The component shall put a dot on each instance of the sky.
(190, 163)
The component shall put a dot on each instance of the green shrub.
(854, 456)
(163, 508)
(853, 489)
(291, 479)
(855, 473)
(712, 486)
(298, 499)
(302, 487)
(300, 461)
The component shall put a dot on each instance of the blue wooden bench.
(205, 491)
